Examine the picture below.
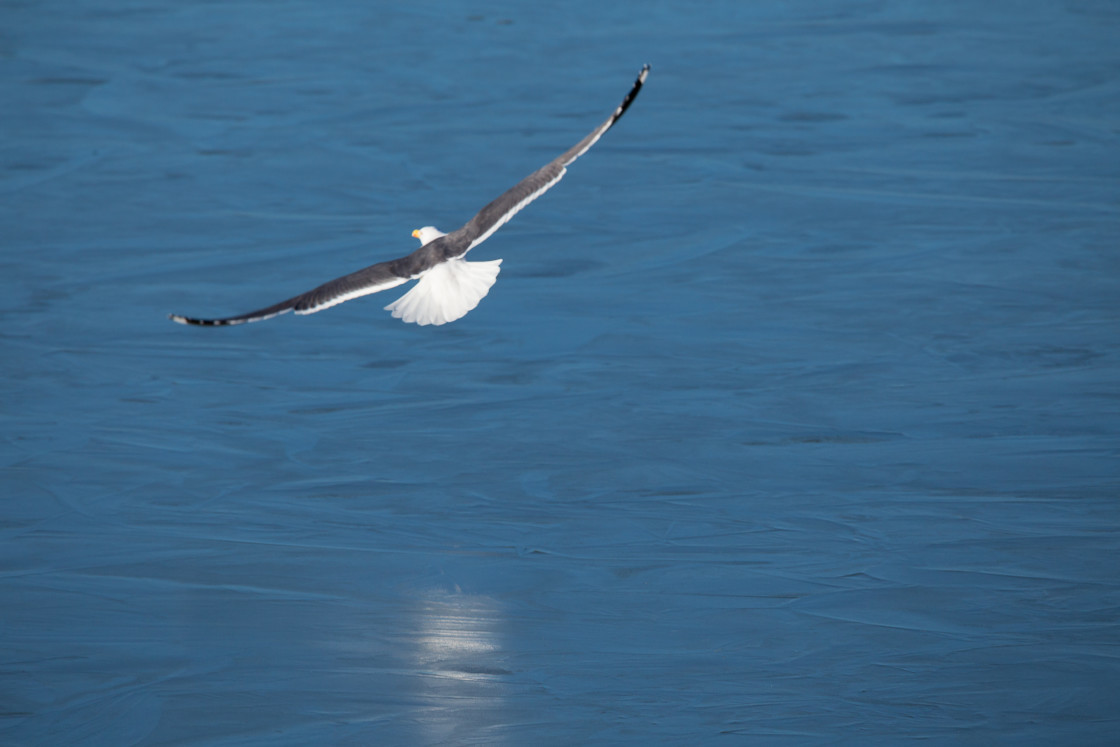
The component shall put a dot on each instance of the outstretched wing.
(497, 213)
(372, 279)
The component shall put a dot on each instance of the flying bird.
(449, 286)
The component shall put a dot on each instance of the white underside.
(446, 292)
(351, 295)
(516, 209)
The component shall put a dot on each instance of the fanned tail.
(446, 292)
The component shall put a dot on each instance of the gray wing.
(372, 279)
(497, 213)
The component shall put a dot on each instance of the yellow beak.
(416, 234)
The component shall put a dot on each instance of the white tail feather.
(446, 292)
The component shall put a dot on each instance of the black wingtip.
(197, 322)
(630, 96)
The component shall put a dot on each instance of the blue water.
(793, 417)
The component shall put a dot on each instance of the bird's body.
(449, 286)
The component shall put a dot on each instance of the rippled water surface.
(792, 419)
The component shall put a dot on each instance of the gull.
(449, 286)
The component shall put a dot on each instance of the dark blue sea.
(793, 418)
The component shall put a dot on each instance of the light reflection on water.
(458, 657)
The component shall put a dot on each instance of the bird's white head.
(427, 234)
